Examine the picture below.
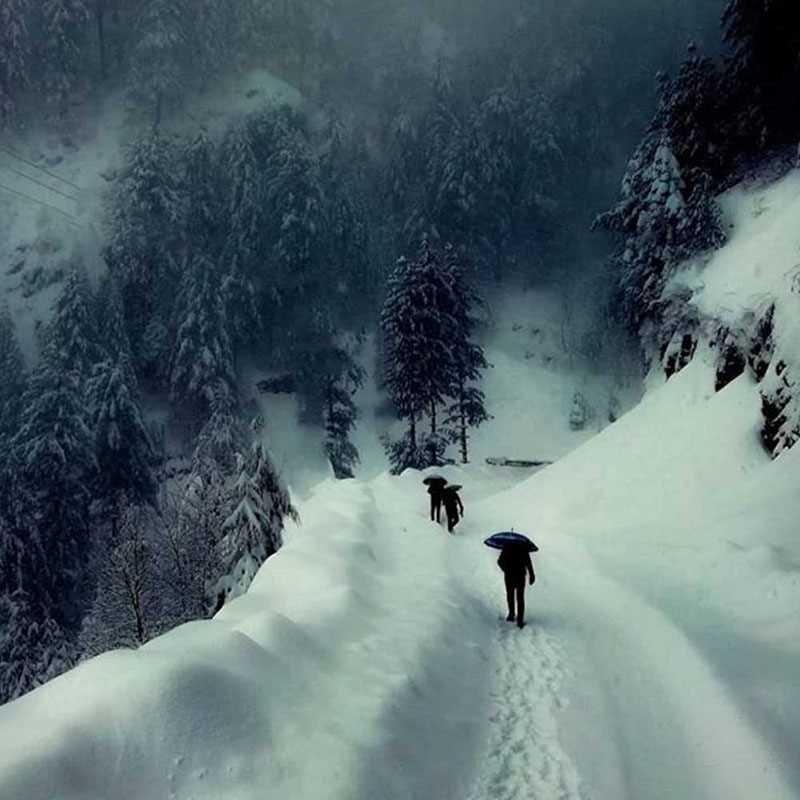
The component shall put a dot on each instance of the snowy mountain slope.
(370, 657)
(53, 185)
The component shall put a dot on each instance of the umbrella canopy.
(434, 479)
(456, 487)
(510, 539)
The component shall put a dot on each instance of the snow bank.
(308, 686)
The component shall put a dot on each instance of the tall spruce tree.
(417, 323)
(253, 531)
(468, 407)
(15, 55)
(64, 23)
(160, 61)
(203, 358)
(763, 71)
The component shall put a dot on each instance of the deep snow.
(370, 657)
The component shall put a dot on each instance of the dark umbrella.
(434, 479)
(510, 539)
(456, 487)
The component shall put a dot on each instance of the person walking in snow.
(453, 507)
(515, 561)
(436, 484)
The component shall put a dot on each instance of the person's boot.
(520, 623)
(511, 617)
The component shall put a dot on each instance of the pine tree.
(54, 451)
(123, 447)
(419, 329)
(145, 217)
(12, 387)
(468, 408)
(343, 378)
(253, 530)
(660, 223)
(33, 648)
(64, 23)
(203, 359)
(160, 60)
(15, 55)
(763, 71)
(244, 245)
(72, 333)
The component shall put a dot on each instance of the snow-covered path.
(371, 657)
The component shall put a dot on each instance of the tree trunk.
(433, 418)
(464, 437)
(412, 431)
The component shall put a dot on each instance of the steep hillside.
(370, 656)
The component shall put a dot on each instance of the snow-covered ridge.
(370, 657)
(743, 302)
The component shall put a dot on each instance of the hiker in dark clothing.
(453, 506)
(436, 487)
(515, 561)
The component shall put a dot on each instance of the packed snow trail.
(371, 658)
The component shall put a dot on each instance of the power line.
(40, 183)
(72, 220)
(10, 152)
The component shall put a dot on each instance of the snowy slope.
(371, 659)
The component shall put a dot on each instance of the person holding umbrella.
(453, 506)
(515, 562)
(436, 484)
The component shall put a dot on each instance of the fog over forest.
(198, 192)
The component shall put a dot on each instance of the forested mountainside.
(168, 233)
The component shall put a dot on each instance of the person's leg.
(521, 603)
(439, 510)
(510, 599)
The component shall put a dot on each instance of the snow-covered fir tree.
(468, 407)
(33, 647)
(54, 454)
(418, 327)
(160, 59)
(12, 387)
(253, 532)
(763, 72)
(203, 358)
(73, 331)
(343, 378)
(123, 447)
(15, 55)
(145, 216)
(660, 223)
(243, 245)
(64, 23)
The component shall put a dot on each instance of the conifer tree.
(342, 379)
(12, 387)
(145, 218)
(203, 360)
(72, 332)
(64, 23)
(54, 451)
(123, 447)
(15, 55)
(160, 57)
(417, 323)
(763, 71)
(253, 530)
(467, 409)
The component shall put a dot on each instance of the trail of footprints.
(524, 758)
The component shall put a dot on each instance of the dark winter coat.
(452, 503)
(515, 563)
